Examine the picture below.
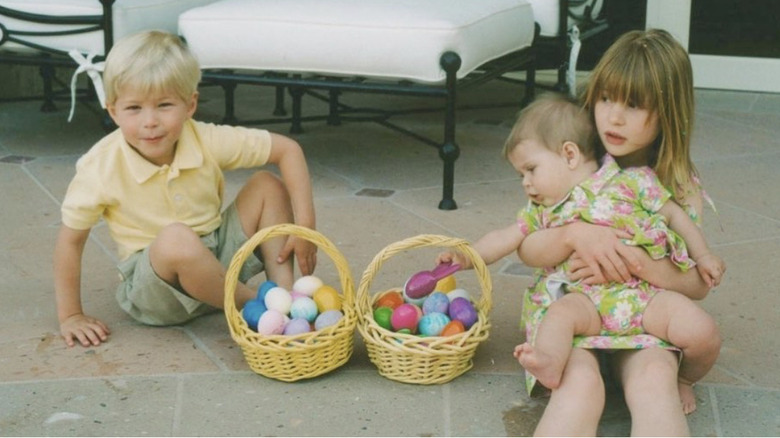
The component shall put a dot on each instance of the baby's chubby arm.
(74, 324)
(492, 247)
(598, 247)
(289, 157)
(710, 266)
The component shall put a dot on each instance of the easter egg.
(446, 284)
(307, 285)
(452, 328)
(382, 317)
(432, 324)
(391, 299)
(303, 308)
(296, 326)
(264, 288)
(416, 301)
(405, 316)
(252, 311)
(436, 302)
(277, 298)
(458, 293)
(462, 310)
(271, 322)
(405, 331)
(327, 319)
(327, 298)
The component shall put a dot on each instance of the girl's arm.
(710, 266)
(74, 325)
(598, 247)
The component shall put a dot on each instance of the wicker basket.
(303, 356)
(416, 359)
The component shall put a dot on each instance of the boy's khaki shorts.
(150, 300)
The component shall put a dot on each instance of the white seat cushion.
(400, 39)
(129, 16)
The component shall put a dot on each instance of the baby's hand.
(85, 329)
(711, 268)
(448, 257)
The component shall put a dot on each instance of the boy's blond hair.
(553, 119)
(651, 70)
(151, 62)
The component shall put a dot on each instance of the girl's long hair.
(651, 70)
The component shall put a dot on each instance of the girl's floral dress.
(621, 198)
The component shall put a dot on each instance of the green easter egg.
(382, 317)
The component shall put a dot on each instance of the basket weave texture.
(303, 356)
(416, 359)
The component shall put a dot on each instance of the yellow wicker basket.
(415, 359)
(303, 356)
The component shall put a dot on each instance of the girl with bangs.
(640, 98)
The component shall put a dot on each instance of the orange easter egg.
(453, 328)
(391, 299)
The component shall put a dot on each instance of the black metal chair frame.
(45, 57)
(299, 85)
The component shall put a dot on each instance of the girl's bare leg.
(682, 322)
(179, 258)
(575, 407)
(574, 314)
(262, 202)
(649, 379)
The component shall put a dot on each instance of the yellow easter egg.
(327, 298)
(446, 284)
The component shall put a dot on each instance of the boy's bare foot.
(541, 365)
(687, 397)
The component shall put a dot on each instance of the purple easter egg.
(327, 319)
(297, 326)
(436, 302)
(462, 310)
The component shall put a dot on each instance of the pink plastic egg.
(271, 322)
(462, 310)
(405, 316)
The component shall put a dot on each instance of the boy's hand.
(305, 253)
(449, 257)
(84, 329)
(711, 268)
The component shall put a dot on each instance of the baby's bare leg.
(263, 202)
(677, 319)
(574, 314)
(179, 258)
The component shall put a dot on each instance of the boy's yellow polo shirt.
(137, 198)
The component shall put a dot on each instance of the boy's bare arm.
(289, 157)
(74, 325)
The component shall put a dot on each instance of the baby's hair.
(651, 70)
(553, 119)
(151, 62)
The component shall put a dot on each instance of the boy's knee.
(176, 238)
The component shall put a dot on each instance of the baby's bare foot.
(687, 397)
(542, 366)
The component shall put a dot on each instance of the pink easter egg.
(405, 316)
(271, 322)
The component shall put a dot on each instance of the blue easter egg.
(304, 308)
(327, 319)
(252, 311)
(432, 323)
(436, 302)
(264, 288)
(297, 326)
